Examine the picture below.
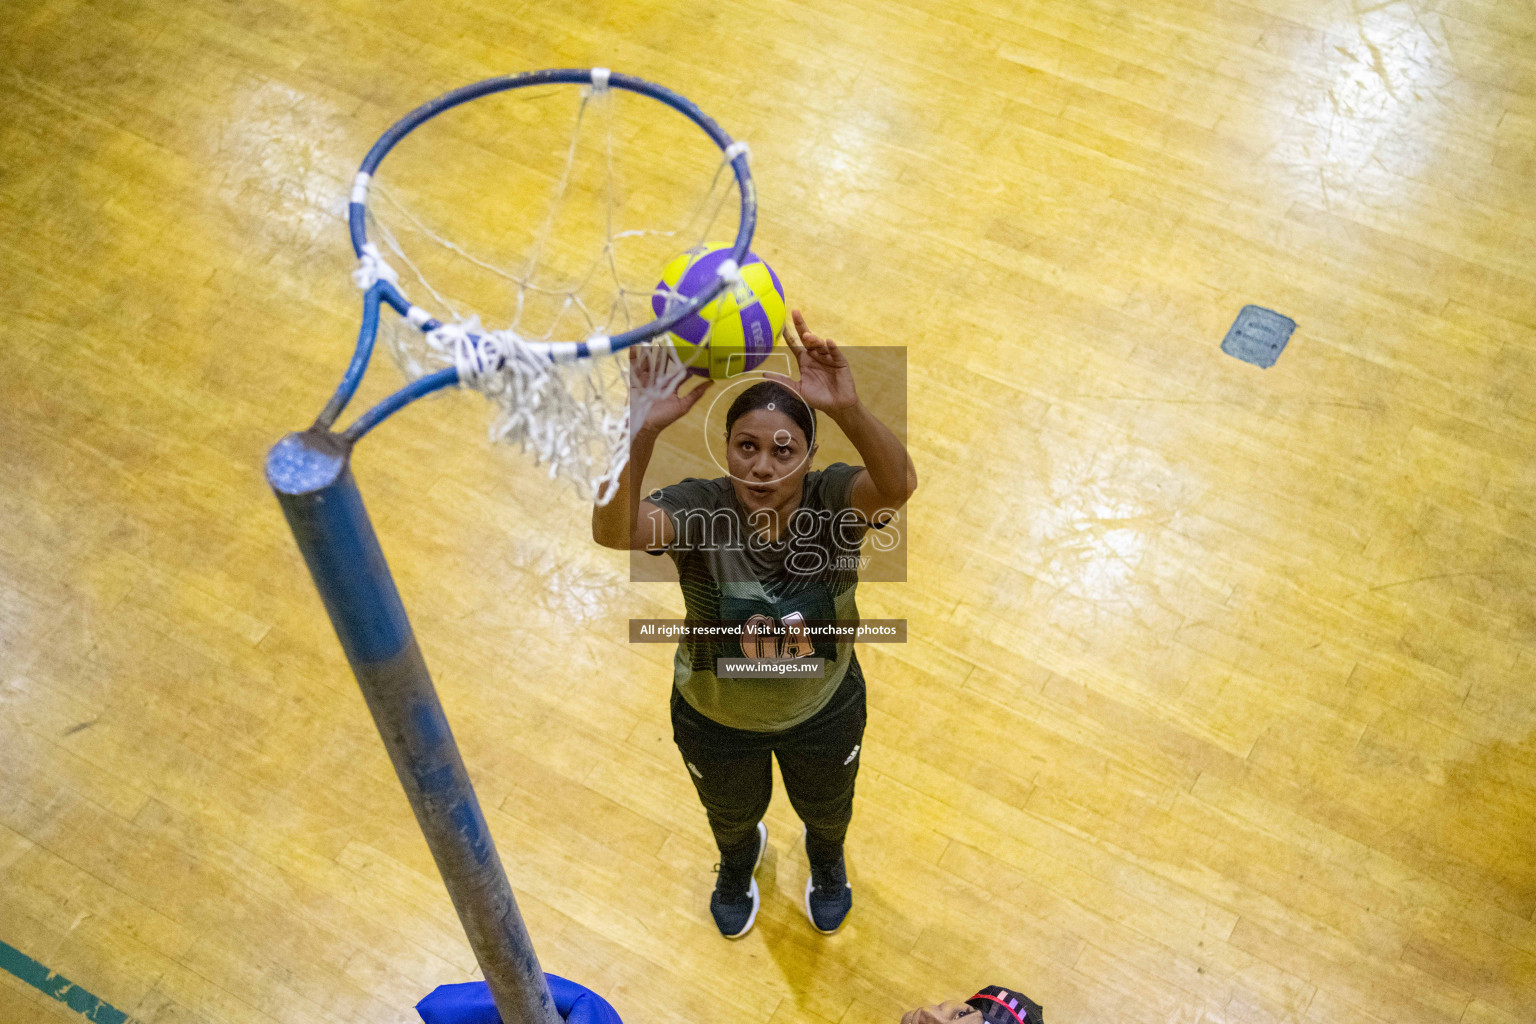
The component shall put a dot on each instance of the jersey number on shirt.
(762, 637)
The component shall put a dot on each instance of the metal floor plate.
(1258, 336)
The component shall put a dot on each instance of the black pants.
(819, 759)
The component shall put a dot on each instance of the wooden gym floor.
(1218, 701)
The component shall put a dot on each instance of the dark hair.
(766, 394)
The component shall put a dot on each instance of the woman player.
(771, 551)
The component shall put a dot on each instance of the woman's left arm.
(826, 383)
(889, 478)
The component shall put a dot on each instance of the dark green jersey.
(730, 574)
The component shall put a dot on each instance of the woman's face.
(954, 1012)
(768, 457)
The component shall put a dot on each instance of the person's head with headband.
(992, 1005)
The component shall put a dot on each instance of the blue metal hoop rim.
(386, 293)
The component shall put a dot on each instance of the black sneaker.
(734, 902)
(828, 896)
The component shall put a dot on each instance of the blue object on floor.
(1258, 336)
(470, 1003)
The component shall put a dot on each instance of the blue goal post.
(310, 473)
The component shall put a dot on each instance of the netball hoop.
(560, 394)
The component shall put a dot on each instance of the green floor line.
(14, 961)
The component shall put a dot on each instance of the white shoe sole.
(762, 848)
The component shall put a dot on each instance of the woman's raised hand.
(826, 379)
(656, 361)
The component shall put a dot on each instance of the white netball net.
(515, 291)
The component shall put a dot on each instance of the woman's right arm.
(627, 523)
